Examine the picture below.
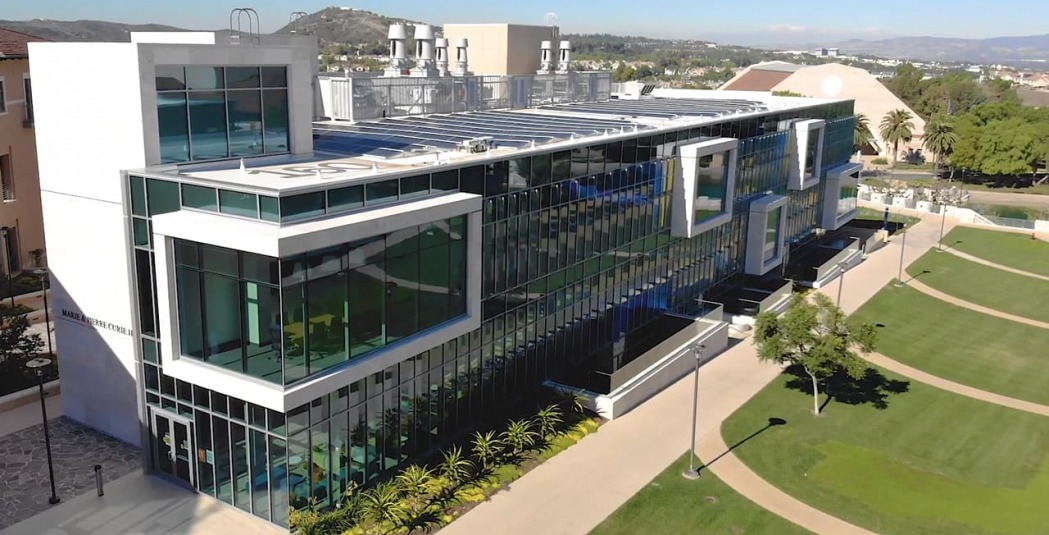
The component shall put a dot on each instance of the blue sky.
(745, 22)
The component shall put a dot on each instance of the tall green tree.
(813, 333)
(939, 138)
(17, 344)
(897, 127)
(863, 136)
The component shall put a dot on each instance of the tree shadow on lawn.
(872, 389)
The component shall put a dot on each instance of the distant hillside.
(986, 51)
(342, 25)
(82, 30)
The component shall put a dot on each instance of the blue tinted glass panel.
(345, 198)
(199, 197)
(302, 206)
(380, 192)
(274, 77)
(275, 117)
(237, 203)
(170, 77)
(245, 122)
(172, 127)
(242, 77)
(269, 208)
(207, 116)
(203, 78)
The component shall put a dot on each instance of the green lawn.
(870, 214)
(955, 343)
(1013, 249)
(671, 504)
(984, 285)
(932, 462)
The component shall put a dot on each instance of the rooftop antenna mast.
(550, 19)
(244, 15)
(295, 20)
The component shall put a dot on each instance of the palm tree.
(897, 127)
(939, 139)
(863, 135)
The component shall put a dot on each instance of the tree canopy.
(814, 334)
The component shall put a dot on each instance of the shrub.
(549, 420)
(455, 466)
(519, 436)
(880, 161)
(486, 448)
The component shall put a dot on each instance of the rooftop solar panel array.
(393, 137)
(663, 108)
(415, 134)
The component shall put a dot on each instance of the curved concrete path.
(979, 260)
(932, 292)
(943, 384)
(726, 466)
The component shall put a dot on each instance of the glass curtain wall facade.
(576, 248)
(210, 113)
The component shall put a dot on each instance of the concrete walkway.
(979, 260)
(932, 380)
(138, 504)
(577, 489)
(932, 292)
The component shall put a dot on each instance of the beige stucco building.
(502, 48)
(832, 80)
(21, 225)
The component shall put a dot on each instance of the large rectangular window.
(848, 194)
(811, 153)
(711, 185)
(208, 113)
(229, 309)
(772, 240)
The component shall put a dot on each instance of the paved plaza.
(24, 484)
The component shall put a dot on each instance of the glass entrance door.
(173, 447)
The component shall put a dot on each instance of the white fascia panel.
(760, 209)
(683, 224)
(803, 131)
(271, 240)
(838, 178)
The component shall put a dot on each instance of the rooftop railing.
(364, 97)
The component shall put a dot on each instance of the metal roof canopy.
(404, 135)
(661, 108)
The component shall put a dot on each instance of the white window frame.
(684, 199)
(757, 225)
(837, 178)
(803, 131)
(279, 241)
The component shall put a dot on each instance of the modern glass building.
(303, 303)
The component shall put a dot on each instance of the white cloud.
(787, 28)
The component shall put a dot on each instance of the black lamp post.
(841, 281)
(38, 364)
(903, 247)
(42, 273)
(692, 473)
(7, 262)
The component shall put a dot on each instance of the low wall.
(677, 363)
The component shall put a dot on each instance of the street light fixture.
(943, 222)
(841, 281)
(42, 273)
(38, 364)
(692, 473)
(903, 247)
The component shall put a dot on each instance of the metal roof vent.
(398, 36)
(461, 62)
(424, 44)
(441, 56)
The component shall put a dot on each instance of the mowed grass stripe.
(967, 347)
(984, 285)
(1016, 250)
